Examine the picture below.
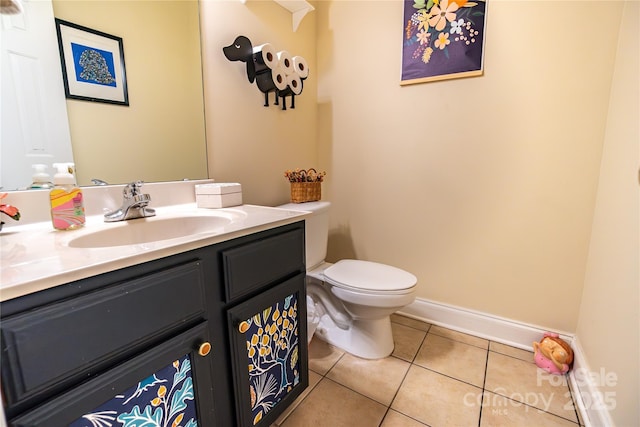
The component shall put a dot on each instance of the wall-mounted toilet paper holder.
(273, 71)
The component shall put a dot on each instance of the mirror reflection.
(160, 136)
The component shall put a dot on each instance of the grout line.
(290, 411)
(507, 345)
(401, 382)
(573, 401)
(410, 417)
(384, 416)
(335, 363)
(513, 357)
(460, 341)
(540, 410)
(388, 407)
(415, 329)
(356, 391)
(316, 372)
(412, 363)
(537, 409)
(396, 394)
(448, 376)
(419, 348)
(484, 382)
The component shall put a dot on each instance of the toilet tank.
(316, 230)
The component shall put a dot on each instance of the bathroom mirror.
(160, 136)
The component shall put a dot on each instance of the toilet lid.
(370, 276)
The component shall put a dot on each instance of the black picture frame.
(93, 66)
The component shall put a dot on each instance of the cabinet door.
(169, 385)
(269, 352)
(54, 347)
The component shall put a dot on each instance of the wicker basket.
(305, 191)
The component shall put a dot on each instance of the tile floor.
(435, 377)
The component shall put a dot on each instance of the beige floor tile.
(459, 336)
(437, 400)
(330, 404)
(407, 321)
(314, 379)
(453, 358)
(322, 356)
(376, 379)
(511, 351)
(500, 411)
(441, 388)
(525, 382)
(407, 341)
(396, 419)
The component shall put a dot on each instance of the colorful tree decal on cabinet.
(272, 350)
(164, 399)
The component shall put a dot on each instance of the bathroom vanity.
(207, 328)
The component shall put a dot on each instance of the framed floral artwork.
(443, 39)
(92, 64)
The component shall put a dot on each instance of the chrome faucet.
(97, 181)
(134, 205)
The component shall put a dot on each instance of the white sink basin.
(153, 229)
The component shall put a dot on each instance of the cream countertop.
(35, 256)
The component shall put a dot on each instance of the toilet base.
(368, 339)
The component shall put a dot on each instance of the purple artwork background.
(457, 57)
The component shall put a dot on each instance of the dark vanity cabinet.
(169, 342)
(267, 325)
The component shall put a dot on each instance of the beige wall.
(160, 136)
(608, 327)
(482, 187)
(247, 142)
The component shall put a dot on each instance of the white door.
(34, 127)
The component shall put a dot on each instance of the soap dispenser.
(41, 179)
(67, 208)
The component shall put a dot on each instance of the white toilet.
(353, 298)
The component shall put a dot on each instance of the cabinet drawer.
(60, 344)
(249, 267)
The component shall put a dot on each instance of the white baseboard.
(520, 335)
(494, 328)
(592, 404)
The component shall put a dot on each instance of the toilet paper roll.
(295, 83)
(265, 57)
(301, 67)
(279, 78)
(286, 61)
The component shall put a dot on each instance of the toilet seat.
(369, 277)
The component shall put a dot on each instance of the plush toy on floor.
(553, 354)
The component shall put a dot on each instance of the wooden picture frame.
(442, 40)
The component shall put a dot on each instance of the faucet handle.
(132, 189)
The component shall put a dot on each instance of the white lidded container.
(218, 195)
